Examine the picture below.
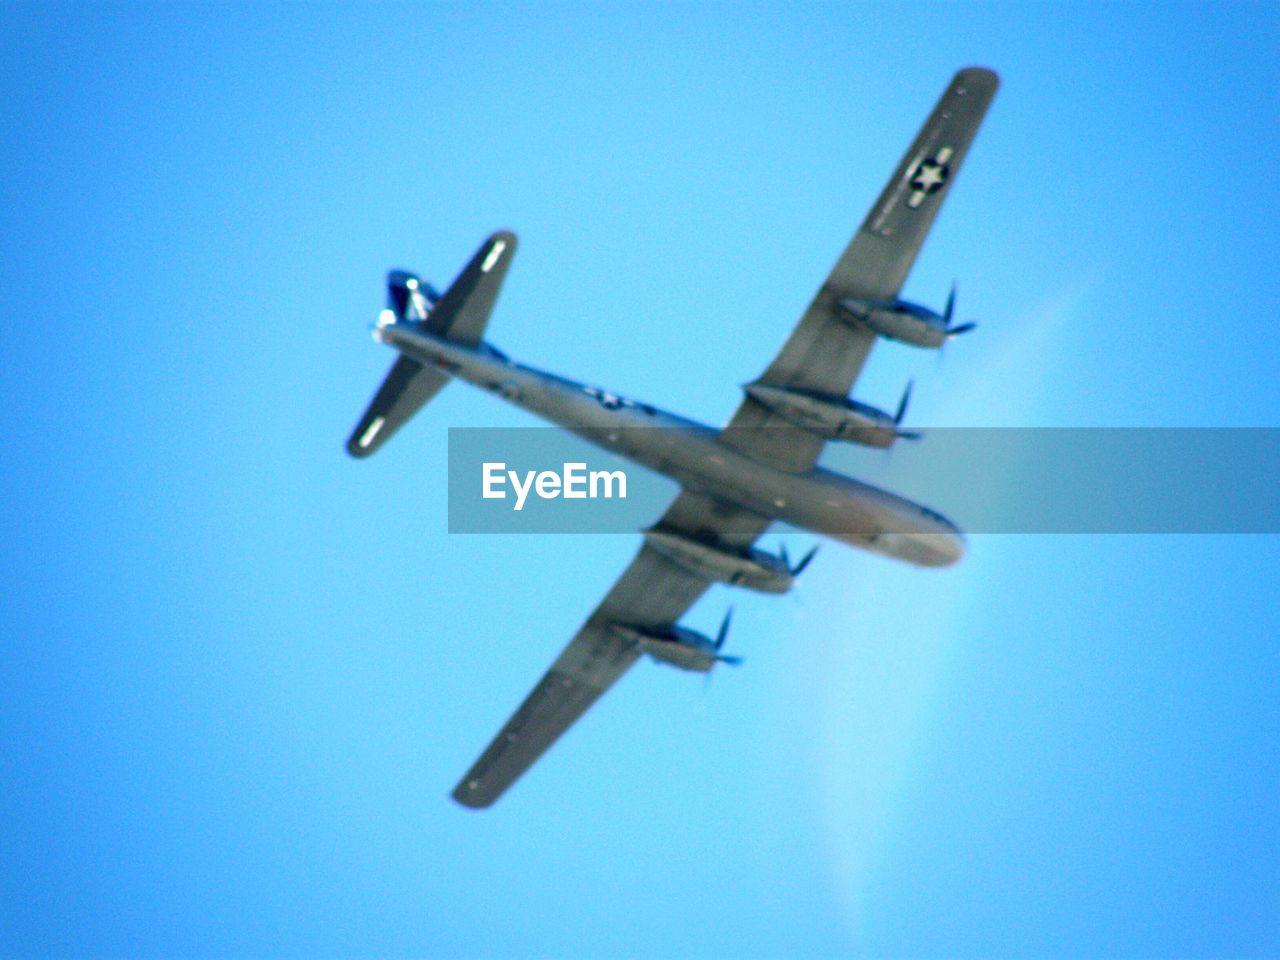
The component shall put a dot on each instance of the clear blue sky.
(240, 671)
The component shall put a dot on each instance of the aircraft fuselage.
(691, 453)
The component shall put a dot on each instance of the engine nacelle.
(903, 321)
(836, 418)
(678, 646)
(750, 568)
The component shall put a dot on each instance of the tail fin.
(408, 298)
(460, 314)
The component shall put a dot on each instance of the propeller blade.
(963, 328)
(730, 660)
(724, 628)
(782, 552)
(951, 304)
(804, 561)
(902, 404)
(909, 435)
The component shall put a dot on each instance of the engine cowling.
(750, 568)
(835, 418)
(904, 321)
(677, 646)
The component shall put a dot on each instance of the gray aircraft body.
(734, 482)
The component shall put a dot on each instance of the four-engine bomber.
(736, 481)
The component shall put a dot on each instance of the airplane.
(734, 482)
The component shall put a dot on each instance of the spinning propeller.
(946, 317)
(720, 638)
(799, 567)
(902, 412)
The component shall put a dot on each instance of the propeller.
(799, 567)
(902, 412)
(720, 638)
(902, 404)
(946, 317)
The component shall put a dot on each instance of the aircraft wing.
(653, 591)
(826, 354)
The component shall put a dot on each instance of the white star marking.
(929, 176)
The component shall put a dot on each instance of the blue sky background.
(241, 671)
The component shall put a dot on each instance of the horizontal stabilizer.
(460, 314)
(463, 312)
(406, 388)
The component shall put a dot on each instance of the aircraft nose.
(945, 544)
(951, 548)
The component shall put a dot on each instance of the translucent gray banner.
(988, 480)
(499, 461)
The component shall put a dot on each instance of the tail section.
(408, 298)
(461, 314)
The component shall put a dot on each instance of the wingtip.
(978, 76)
(470, 799)
(506, 236)
(358, 452)
(498, 248)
